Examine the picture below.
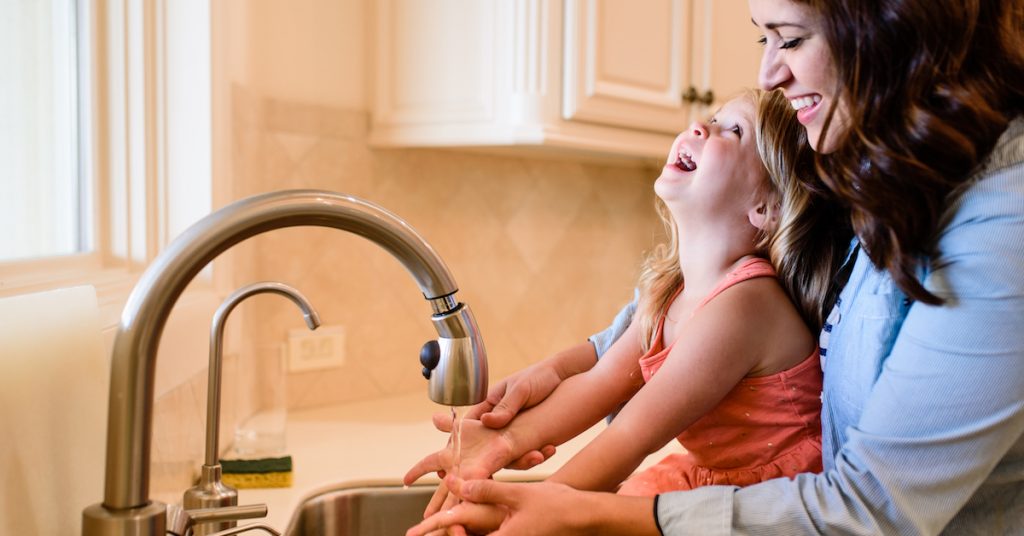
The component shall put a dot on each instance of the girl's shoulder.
(757, 298)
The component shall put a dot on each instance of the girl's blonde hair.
(805, 242)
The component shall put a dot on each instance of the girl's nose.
(773, 72)
(698, 130)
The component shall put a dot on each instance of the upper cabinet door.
(599, 77)
(726, 55)
(628, 64)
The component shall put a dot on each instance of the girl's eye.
(737, 130)
(792, 43)
(762, 40)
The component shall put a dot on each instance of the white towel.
(53, 407)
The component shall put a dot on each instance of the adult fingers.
(533, 458)
(476, 517)
(507, 408)
(485, 491)
(494, 395)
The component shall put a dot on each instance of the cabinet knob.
(691, 96)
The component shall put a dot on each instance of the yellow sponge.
(259, 473)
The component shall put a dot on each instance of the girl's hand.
(443, 422)
(483, 452)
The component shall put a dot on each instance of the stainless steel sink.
(368, 510)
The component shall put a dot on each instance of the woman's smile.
(806, 107)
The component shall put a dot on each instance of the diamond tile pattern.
(545, 252)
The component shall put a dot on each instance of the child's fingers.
(430, 464)
(437, 500)
(442, 421)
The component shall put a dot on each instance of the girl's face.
(796, 59)
(713, 166)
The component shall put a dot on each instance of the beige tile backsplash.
(545, 252)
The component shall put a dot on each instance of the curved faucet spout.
(126, 508)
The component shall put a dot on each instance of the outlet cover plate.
(316, 350)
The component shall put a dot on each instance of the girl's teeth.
(805, 102)
(685, 162)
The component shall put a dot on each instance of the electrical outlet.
(315, 350)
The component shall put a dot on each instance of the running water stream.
(456, 440)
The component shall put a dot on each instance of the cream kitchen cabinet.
(610, 77)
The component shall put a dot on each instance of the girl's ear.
(760, 217)
(763, 218)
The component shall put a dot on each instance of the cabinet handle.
(691, 96)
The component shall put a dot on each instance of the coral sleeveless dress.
(766, 427)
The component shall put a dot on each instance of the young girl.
(726, 362)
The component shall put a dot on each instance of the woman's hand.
(538, 509)
(530, 386)
(521, 390)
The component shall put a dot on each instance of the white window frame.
(147, 106)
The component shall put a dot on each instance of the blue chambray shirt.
(923, 406)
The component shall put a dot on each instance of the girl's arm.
(575, 405)
(715, 350)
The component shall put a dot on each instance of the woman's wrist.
(608, 513)
(574, 360)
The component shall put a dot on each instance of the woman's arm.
(929, 436)
(542, 508)
(714, 351)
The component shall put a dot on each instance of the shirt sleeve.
(945, 416)
(603, 341)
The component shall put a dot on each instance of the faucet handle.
(182, 522)
(430, 356)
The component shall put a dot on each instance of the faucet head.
(457, 374)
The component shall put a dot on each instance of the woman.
(915, 110)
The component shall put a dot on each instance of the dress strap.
(751, 268)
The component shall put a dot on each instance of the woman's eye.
(762, 40)
(791, 43)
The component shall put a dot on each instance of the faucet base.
(148, 520)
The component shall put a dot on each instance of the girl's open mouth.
(684, 161)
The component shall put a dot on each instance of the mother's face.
(796, 60)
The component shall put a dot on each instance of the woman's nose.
(773, 72)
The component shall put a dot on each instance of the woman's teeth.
(805, 102)
(685, 161)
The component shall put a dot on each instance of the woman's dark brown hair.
(929, 86)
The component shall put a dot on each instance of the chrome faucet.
(458, 378)
(211, 492)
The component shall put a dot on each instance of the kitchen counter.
(375, 440)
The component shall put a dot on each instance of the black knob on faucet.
(430, 355)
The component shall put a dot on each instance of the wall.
(544, 251)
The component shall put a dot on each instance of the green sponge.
(258, 473)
